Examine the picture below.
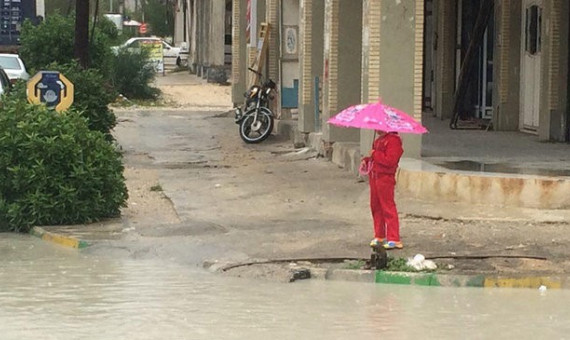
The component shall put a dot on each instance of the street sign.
(52, 89)
(155, 54)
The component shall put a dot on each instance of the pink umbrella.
(377, 116)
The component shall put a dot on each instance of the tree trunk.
(81, 50)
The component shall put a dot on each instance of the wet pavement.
(49, 292)
(222, 201)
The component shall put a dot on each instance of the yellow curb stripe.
(523, 282)
(66, 241)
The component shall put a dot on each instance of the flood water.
(49, 292)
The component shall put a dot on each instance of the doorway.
(478, 102)
(530, 65)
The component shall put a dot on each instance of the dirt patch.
(197, 96)
(147, 203)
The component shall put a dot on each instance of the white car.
(14, 67)
(172, 55)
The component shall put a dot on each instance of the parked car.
(5, 83)
(172, 55)
(14, 67)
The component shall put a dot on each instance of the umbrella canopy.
(377, 116)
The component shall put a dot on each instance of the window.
(533, 41)
(10, 63)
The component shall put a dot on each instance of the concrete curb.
(66, 241)
(443, 279)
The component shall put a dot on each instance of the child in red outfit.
(385, 156)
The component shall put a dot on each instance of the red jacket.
(386, 154)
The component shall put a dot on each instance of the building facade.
(501, 63)
(326, 55)
(520, 76)
(205, 26)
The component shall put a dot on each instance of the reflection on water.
(502, 168)
(53, 293)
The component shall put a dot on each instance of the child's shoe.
(393, 245)
(377, 242)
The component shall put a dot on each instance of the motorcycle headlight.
(253, 92)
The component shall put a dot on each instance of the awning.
(131, 23)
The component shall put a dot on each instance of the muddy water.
(48, 292)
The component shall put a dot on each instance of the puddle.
(502, 168)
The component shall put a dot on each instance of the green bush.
(109, 29)
(92, 95)
(159, 16)
(54, 170)
(53, 41)
(132, 75)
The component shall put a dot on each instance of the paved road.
(236, 202)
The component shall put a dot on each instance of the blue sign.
(52, 89)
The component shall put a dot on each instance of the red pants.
(384, 213)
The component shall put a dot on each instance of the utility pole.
(81, 47)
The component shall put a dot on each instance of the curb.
(479, 280)
(442, 280)
(66, 241)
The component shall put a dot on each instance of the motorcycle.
(255, 119)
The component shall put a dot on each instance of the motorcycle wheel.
(256, 132)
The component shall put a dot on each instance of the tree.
(81, 47)
(159, 14)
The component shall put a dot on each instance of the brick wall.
(419, 59)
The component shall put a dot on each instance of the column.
(371, 23)
(342, 62)
(400, 76)
(179, 25)
(239, 51)
(217, 13)
(507, 61)
(194, 32)
(311, 32)
(446, 30)
(204, 21)
(553, 96)
(272, 17)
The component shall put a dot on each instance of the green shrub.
(159, 16)
(92, 95)
(109, 29)
(53, 41)
(54, 170)
(132, 75)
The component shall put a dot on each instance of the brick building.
(328, 54)
(520, 80)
